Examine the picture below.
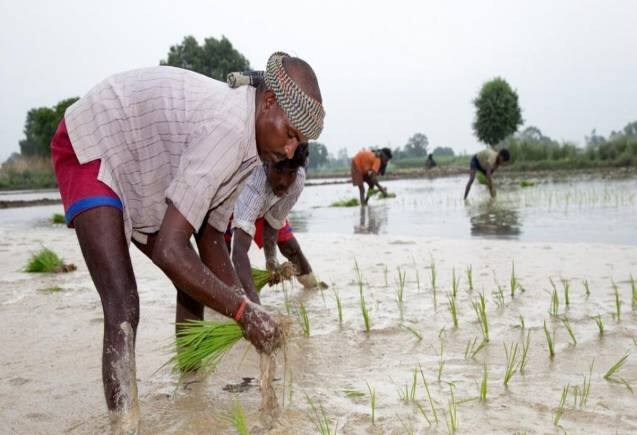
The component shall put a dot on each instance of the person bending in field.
(486, 162)
(154, 156)
(367, 166)
(260, 213)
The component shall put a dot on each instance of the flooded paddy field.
(423, 353)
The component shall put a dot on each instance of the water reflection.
(494, 219)
(372, 220)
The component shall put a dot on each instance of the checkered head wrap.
(304, 112)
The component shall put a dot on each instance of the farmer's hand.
(261, 329)
(309, 281)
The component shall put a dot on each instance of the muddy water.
(50, 381)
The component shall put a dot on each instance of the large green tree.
(318, 155)
(215, 58)
(416, 146)
(498, 113)
(40, 126)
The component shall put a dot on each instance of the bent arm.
(292, 251)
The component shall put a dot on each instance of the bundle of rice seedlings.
(352, 202)
(482, 179)
(47, 261)
(260, 278)
(58, 218)
(203, 343)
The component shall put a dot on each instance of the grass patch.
(303, 319)
(414, 331)
(550, 340)
(511, 362)
(525, 351)
(46, 261)
(453, 309)
(600, 324)
(319, 418)
(372, 402)
(352, 202)
(472, 349)
(480, 309)
(560, 408)
(58, 218)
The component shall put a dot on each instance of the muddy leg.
(100, 232)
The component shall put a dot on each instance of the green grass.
(364, 312)
(58, 218)
(600, 324)
(511, 362)
(339, 308)
(566, 285)
(569, 328)
(526, 344)
(455, 283)
(353, 393)
(469, 272)
(431, 402)
(441, 359)
(44, 261)
(615, 368)
(319, 418)
(203, 343)
(236, 417)
(352, 202)
(400, 293)
(409, 392)
(372, 402)
(484, 384)
(560, 408)
(480, 309)
(414, 331)
(499, 297)
(513, 280)
(453, 309)
(555, 303)
(550, 340)
(49, 290)
(303, 319)
(452, 415)
(472, 348)
(585, 389)
(618, 302)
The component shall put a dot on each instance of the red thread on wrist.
(241, 309)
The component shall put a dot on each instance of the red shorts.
(285, 233)
(79, 187)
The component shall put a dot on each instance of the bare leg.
(361, 194)
(472, 175)
(100, 232)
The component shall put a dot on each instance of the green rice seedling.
(364, 312)
(49, 290)
(469, 348)
(513, 281)
(550, 340)
(400, 293)
(453, 309)
(422, 411)
(433, 281)
(633, 292)
(469, 272)
(615, 368)
(499, 297)
(339, 308)
(303, 319)
(353, 393)
(511, 362)
(441, 360)
(587, 289)
(569, 328)
(566, 285)
(372, 402)
(555, 304)
(431, 401)
(480, 309)
(409, 392)
(418, 280)
(358, 275)
(414, 331)
(236, 417)
(521, 322)
(484, 384)
(585, 389)
(352, 202)
(526, 344)
(319, 418)
(618, 302)
(452, 415)
(455, 283)
(385, 270)
(600, 324)
(260, 278)
(44, 261)
(560, 409)
(58, 218)
(203, 343)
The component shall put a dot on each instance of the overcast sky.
(386, 69)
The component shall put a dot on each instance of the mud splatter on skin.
(125, 420)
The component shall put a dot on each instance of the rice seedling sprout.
(479, 307)
(339, 308)
(319, 418)
(236, 417)
(566, 285)
(452, 420)
(441, 360)
(513, 281)
(303, 319)
(484, 384)
(511, 362)
(433, 281)
(44, 261)
(453, 310)
(372, 402)
(431, 401)
(560, 409)
(618, 302)
(600, 324)
(615, 368)
(526, 344)
(587, 288)
(455, 283)
(550, 340)
(569, 329)
(469, 272)
(414, 331)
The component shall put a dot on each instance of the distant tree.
(498, 114)
(215, 58)
(631, 129)
(318, 155)
(443, 152)
(40, 126)
(416, 146)
(595, 140)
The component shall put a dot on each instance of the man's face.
(276, 138)
(280, 179)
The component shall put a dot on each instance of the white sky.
(386, 69)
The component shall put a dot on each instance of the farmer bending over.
(486, 161)
(367, 165)
(155, 155)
